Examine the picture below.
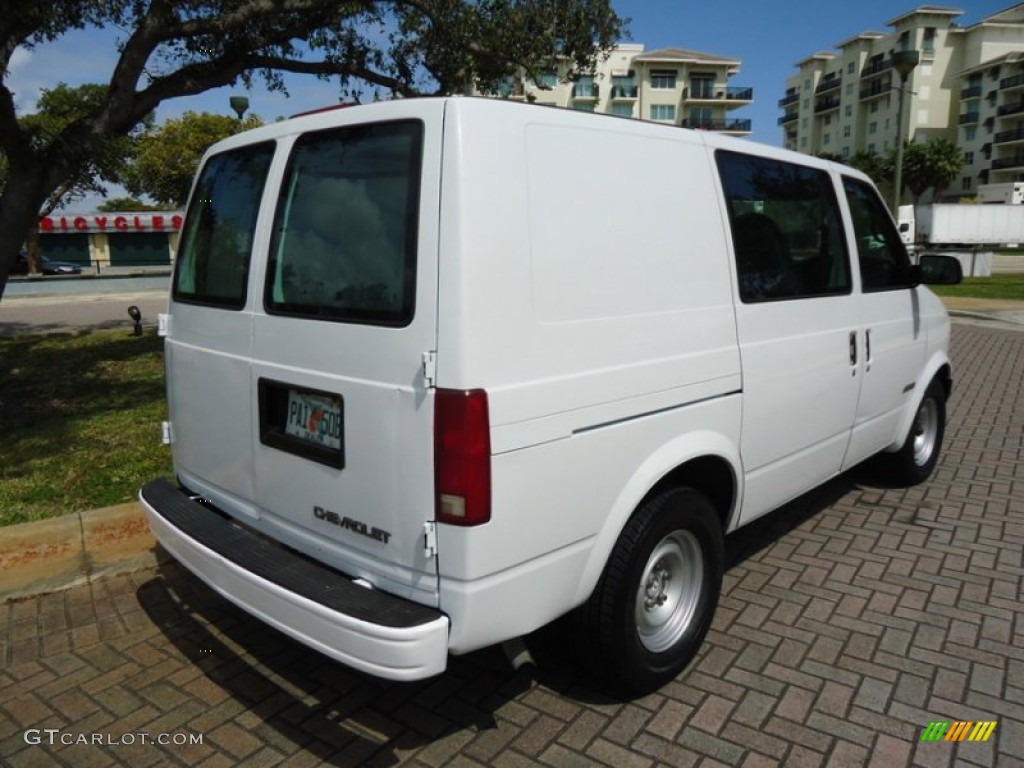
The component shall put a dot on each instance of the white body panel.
(579, 270)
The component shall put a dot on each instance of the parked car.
(46, 266)
(441, 371)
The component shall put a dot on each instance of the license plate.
(314, 419)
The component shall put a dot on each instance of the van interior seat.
(766, 268)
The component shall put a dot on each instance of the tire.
(917, 457)
(655, 600)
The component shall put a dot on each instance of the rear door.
(209, 346)
(342, 443)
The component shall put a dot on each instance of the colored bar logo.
(959, 730)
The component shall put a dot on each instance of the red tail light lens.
(462, 457)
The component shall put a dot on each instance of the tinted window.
(786, 229)
(344, 245)
(216, 242)
(884, 264)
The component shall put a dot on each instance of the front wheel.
(918, 455)
(655, 600)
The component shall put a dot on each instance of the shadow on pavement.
(344, 718)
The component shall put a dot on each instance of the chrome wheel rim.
(926, 431)
(669, 591)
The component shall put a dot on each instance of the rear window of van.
(344, 238)
(216, 242)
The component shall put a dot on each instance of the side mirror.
(935, 269)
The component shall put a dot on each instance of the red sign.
(118, 222)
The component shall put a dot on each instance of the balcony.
(1004, 137)
(826, 104)
(792, 116)
(789, 98)
(1008, 83)
(875, 90)
(723, 126)
(971, 92)
(876, 68)
(586, 92)
(829, 84)
(969, 118)
(1010, 109)
(624, 92)
(1013, 161)
(710, 93)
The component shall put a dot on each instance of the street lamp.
(903, 62)
(239, 104)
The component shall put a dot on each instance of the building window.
(584, 106)
(828, 119)
(965, 184)
(928, 45)
(872, 127)
(846, 132)
(803, 142)
(663, 79)
(849, 89)
(874, 107)
(663, 112)
(968, 158)
(848, 110)
(846, 152)
(807, 103)
(871, 149)
(702, 86)
(851, 67)
(546, 80)
(622, 110)
(827, 140)
(807, 85)
(970, 133)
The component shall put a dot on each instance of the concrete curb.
(69, 551)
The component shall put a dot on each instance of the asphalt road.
(68, 313)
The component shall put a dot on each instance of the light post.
(903, 62)
(240, 104)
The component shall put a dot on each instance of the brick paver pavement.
(849, 622)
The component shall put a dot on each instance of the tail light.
(462, 457)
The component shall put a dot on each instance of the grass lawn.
(79, 422)
(995, 287)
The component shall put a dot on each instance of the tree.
(173, 49)
(932, 165)
(167, 157)
(123, 204)
(58, 108)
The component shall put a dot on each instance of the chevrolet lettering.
(358, 526)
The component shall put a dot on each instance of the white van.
(441, 371)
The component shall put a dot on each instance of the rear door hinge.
(429, 368)
(429, 540)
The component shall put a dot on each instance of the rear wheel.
(655, 600)
(917, 457)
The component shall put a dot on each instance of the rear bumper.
(369, 630)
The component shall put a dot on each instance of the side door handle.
(853, 348)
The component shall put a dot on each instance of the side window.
(884, 264)
(344, 244)
(786, 229)
(216, 243)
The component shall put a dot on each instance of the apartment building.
(968, 87)
(669, 85)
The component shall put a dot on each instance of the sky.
(767, 37)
